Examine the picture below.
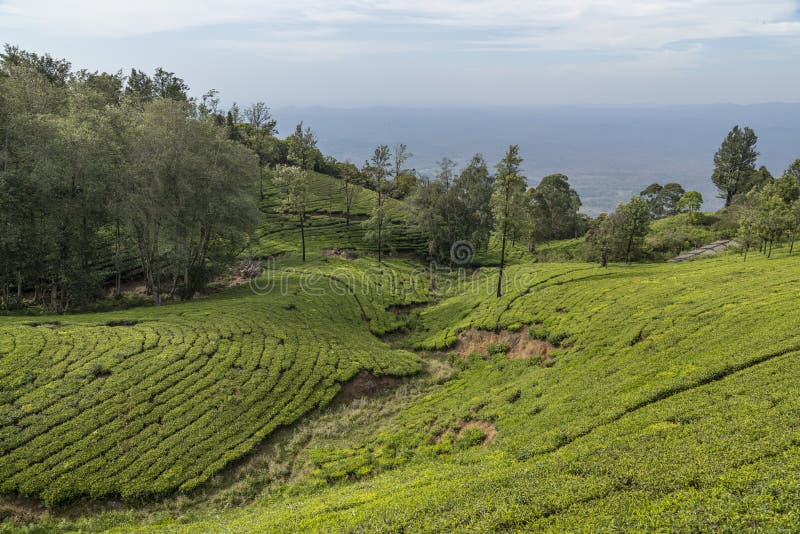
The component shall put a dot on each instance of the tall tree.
(378, 169)
(350, 176)
(633, 224)
(690, 202)
(302, 147)
(794, 170)
(474, 185)
(507, 202)
(735, 164)
(294, 181)
(403, 179)
(261, 125)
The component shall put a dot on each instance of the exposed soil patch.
(20, 510)
(362, 385)
(339, 253)
(488, 429)
(520, 343)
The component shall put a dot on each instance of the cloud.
(337, 28)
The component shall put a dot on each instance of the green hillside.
(327, 226)
(153, 400)
(667, 400)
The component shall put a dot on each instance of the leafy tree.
(191, 196)
(350, 176)
(734, 164)
(474, 185)
(295, 184)
(633, 224)
(262, 125)
(761, 178)
(662, 200)
(619, 236)
(786, 187)
(403, 180)
(555, 208)
(690, 202)
(600, 239)
(794, 170)
(507, 202)
(378, 169)
(302, 146)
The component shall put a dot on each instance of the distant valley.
(608, 153)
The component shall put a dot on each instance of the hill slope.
(672, 404)
(667, 400)
(143, 402)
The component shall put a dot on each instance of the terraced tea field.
(327, 226)
(145, 402)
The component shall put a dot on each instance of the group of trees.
(101, 169)
(771, 213)
(98, 170)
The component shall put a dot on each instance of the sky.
(440, 53)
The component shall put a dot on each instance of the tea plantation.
(669, 402)
(150, 401)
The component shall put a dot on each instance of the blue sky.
(445, 53)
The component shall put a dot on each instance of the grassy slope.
(674, 405)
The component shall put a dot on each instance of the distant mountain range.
(608, 153)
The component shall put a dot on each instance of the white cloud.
(472, 24)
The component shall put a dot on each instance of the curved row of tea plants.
(144, 402)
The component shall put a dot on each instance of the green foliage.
(554, 206)
(495, 349)
(619, 236)
(97, 178)
(662, 200)
(670, 236)
(690, 202)
(451, 209)
(735, 164)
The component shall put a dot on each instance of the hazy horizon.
(609, 153)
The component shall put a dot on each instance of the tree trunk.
(303, 236)
(380, 230)
(188, 293)
(117, 263)
(628, 251)
(260, 180)
(502, 263)
(746, 248)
